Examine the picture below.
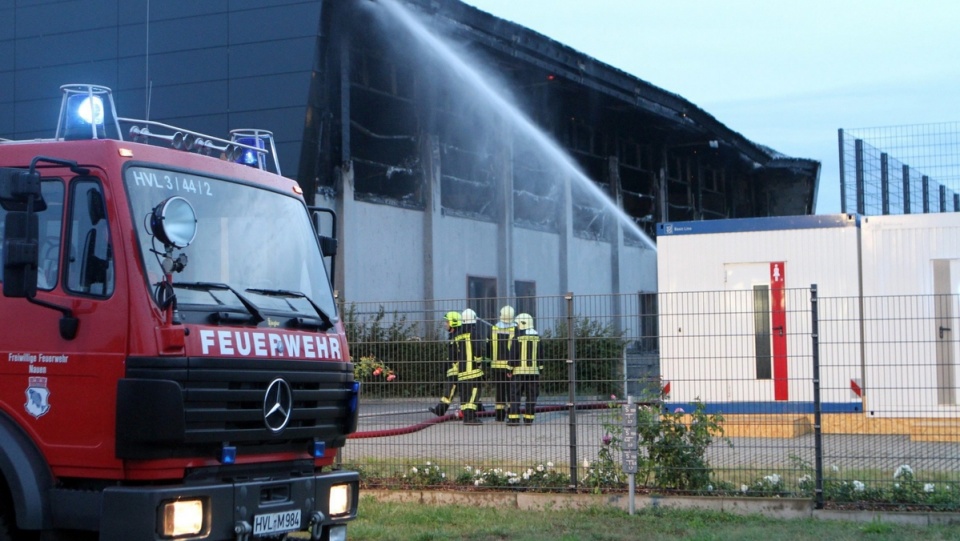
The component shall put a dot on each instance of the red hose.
(456, 416)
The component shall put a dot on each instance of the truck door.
(62, 390)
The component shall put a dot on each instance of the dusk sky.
(786, 75)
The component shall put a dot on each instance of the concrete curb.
(781, 508)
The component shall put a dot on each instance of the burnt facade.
(465, 155)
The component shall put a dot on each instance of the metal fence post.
(817, 426)
(572, 386)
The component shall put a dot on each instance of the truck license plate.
(273, 523)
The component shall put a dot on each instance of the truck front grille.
(192, 405)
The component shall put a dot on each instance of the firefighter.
(527, 365)
(501, 338)
(452, 321)
(470, 369)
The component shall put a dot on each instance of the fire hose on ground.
(456, 416)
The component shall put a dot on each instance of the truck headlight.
(339, 500)
(184, 517)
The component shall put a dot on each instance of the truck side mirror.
(20, 190)
(20, 254)
(328, 245)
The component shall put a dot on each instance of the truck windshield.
(248, 238)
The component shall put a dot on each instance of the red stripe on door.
(778, 278)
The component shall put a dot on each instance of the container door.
(946, 284)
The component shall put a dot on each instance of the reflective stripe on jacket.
(501, 339)
(529, 353)
(469, 364)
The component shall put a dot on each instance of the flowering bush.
(606, 471)
(675, 446)
(426, 475)
(541, 476)
(371, 369)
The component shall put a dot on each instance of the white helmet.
(506, 315)
(524, 321)
(468, 316)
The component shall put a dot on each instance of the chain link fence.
(849, 401)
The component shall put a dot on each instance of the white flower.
(539, 467)
(443, 475)
(468, 468)
(903, 470)
(773, 479)
(478, 482)
(428, 463)
(586, 463)
(804, 479)
(513, 480)
(929, 487)
(834, 468)
(526, 476)
(744, 488)
(414, 469)
(549, 464)
(709, 488)
(858, 486)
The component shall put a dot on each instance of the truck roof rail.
(87, 111)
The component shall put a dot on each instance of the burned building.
(466, 156)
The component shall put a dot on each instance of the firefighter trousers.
(524, 386)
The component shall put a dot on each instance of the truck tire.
(6, 516)
(8, 525)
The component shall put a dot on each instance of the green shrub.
(599, 358)
(673, 452)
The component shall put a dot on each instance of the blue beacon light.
(85, 112)
(251, 157)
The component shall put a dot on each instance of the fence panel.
(725, 387)
(891, 426)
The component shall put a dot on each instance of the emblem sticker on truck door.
(38, 397)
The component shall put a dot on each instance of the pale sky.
(784, 73)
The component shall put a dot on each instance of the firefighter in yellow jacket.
(501, 339)
(527, 365)
(470, 370)
(455, 351)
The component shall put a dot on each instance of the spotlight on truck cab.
(174, 222)
(87, 112)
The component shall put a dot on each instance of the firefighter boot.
(470, 418)
(440, 409)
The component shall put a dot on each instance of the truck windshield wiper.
(252, 315)
(322, 323)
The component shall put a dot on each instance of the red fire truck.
(172, 365)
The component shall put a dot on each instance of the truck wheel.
(8, 528)
(4, 528)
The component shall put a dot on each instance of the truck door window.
(90, 268)
(51, 227)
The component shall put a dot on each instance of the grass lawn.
(387, 521)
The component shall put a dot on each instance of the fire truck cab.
(172, 364)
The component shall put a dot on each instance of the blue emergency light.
(86, 111)
(250, 157)
(228, 454)
(255, 146)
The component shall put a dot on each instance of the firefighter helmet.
(524, 321)
(469, 317)
(453, 318)
(506, 314)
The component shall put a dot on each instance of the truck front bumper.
(231, 511)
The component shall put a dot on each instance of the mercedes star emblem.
(277, 405)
